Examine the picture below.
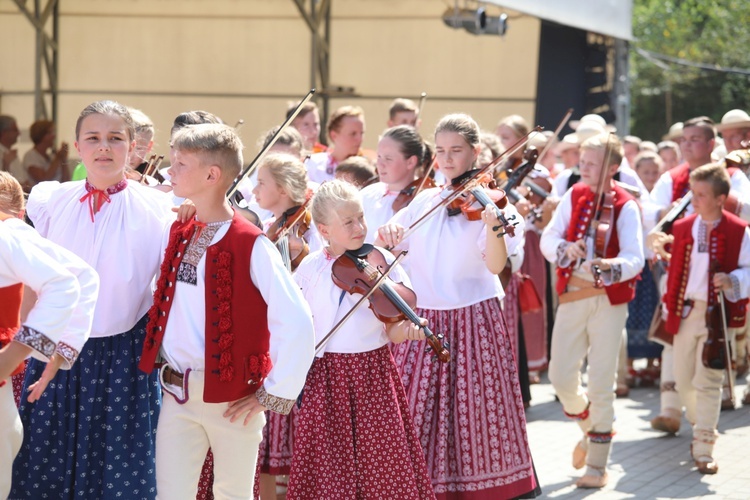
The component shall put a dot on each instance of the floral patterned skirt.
(354, 436)
(468, 413)
(92, 433)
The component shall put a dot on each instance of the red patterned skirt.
(354, 437)
(468, 412)
(275, 454)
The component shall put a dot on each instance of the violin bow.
(559, 128)
(359, 303)
(254, 164)
(422, 100)
(468, 183)
(727, 350)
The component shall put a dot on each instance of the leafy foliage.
(700, 31)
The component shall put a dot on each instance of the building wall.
(246, 59)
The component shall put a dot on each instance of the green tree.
(699, 31)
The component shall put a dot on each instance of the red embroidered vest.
(237, 356)
(724, 248)
(680, 180)
(10, 317)
(582, 201)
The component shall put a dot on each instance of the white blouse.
(34, 158)
(123, 243)
(376, 202)
(320, 167)
(447, 253)
(289, 320)
(66, 287)
(363, 332)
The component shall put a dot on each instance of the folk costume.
(473, 402)
(92, 432)
(59, 323)
(377, 203)
(229, 322)
(321, 167)
(354, 435)
(700, 249)
(590, 321)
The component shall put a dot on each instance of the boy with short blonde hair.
(229, 327)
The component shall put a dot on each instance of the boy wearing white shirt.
(590, 319)
(228, 320)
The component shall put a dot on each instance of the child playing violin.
(354, 435)
(710, 254)
(590, 319)
(401, 153)
(454, 267)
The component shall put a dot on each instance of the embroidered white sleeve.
(274, 403)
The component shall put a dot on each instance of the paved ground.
(644, 463)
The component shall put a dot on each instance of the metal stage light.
(476, 21)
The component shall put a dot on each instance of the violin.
(602, 222)
(357, 271)
(406, 195)
(238, 203)
(716, 352)
(288, 231)
(485, 193)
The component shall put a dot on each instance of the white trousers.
(699, 387)
(183, 436)
(11, 436)
(587, 328)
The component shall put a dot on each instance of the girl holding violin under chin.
(454, 266)
(401, 153)
(354, 437)
(595, 239)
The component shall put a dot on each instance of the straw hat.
(735, 118)
(674, 134)
(574, 124)
(585, 130)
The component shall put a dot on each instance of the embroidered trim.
(97, 197)
(161, 301)
(562, 256)
(68, 353)
(704, 436)
(580, 416)
(736, 292)
(668, 387)
(274, 403)
(616, 270)
(36, 340)
(601, 437)
(224, 294)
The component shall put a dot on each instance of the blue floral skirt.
(91, 435)
(640, 312)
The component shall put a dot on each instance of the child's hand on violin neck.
(722, 281)
(576, 251)
(405, 330)
(390, 235)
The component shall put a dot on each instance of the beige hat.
(674, 134)
(574, 124)
(585, 130)
(735, 118)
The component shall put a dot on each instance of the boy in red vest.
(710, 253)
(56, 327)
(591, 316)
(229, 327)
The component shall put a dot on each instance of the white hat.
(735, 118)
(585, 130)
(675, 132)
(574, 124)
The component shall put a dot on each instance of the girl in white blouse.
(98, 421)
(474, 402)
(354, 437)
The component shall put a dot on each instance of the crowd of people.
(358, 323)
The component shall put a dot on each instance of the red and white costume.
(473, 402)
(590, 324)
(227, 316)
(354, 436)
(60, 321)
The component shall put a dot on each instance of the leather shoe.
(579, 456)
(593, 481)
(707, 466)
(727, 404)
(622, 391)
(665, 424)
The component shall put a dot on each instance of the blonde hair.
(516, 123)
(334, 123)
(216, 144)
(289, 173)
(143, 124)
(716, 175)
(645, 156)
(329, 196)
(11, 194)
(609, 143)
(107, 108)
